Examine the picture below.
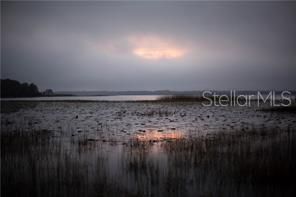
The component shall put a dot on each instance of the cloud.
(149, 47)
(191, 45)
(155, 48)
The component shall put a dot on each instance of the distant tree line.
(13, 88)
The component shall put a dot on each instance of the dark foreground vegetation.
(254, 163)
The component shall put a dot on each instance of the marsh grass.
(260, 160)
(182, 98)
(281, 109)
(254, 163)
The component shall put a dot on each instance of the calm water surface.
(89, 98)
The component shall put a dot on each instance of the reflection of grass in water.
(234, 164)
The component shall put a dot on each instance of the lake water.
(145, 149)
(89, 98)
(121, 97)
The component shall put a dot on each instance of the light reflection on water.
(159, 135)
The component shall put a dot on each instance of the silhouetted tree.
(13, 88)
(48, 92)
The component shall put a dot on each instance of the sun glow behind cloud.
(140, 46)
(158, 53)
(155, 48)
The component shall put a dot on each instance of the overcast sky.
(150, 46)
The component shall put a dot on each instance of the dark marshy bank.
(182, 98)
(254, 163)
